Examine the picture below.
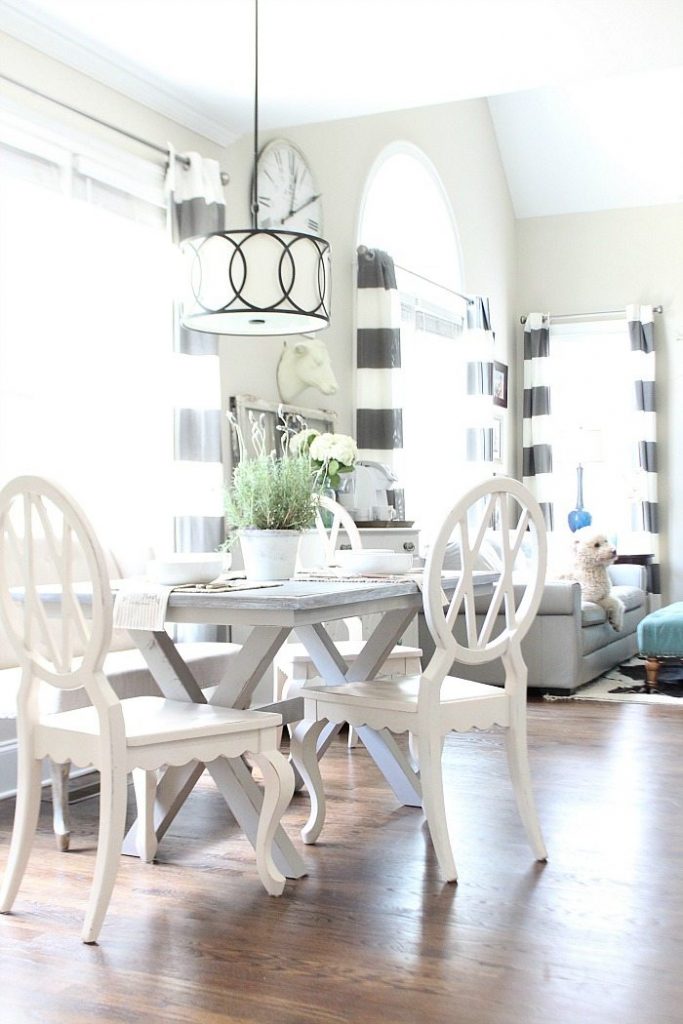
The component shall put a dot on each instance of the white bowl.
(193, 567)
(370, 560)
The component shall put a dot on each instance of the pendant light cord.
(254, 188)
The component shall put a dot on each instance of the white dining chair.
(293, 666)
(434, 703)
(56, 644)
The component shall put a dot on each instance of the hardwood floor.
(371, 934)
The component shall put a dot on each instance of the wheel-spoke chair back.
(488, 527)
(66, 650)
(332, 522)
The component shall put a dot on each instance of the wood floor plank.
(372, 934)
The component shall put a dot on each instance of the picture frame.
(500, 385)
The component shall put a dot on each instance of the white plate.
(194, 567)
(369, 560)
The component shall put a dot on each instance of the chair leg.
(518, 763)
(285, 684)
(113, 799)
(305, 756)
(145, 793)
(25, 823)
(279, 683)
(278, 789)
(354, 739)
(413, 753)
(61, 824)
(429, 755)
(517, 754)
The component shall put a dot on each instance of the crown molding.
(17, 20)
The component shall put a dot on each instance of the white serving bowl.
(369, 560)
(193, 567)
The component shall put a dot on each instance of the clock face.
(286, 194)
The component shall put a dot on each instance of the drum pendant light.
(256, 281)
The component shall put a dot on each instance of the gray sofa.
(570, 642)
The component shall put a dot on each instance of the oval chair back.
(488, 526)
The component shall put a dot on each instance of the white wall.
(63, 83)
(595, 261)
(458, 138)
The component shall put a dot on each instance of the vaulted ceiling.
(586, 97)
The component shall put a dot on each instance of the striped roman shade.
(640, 321)
(379, 413)
(537, 455)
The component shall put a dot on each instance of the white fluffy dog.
(592, 554)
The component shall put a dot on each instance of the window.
(591, 385)
(406, 212)
(85, 330)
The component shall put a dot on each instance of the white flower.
(300, 443)
(334, 447)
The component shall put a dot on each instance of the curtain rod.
(362, 249)
(601, 312)
(437, 284)
(225, 177)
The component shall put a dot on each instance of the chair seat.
(393, 695)
(295, 653)
(157, 720)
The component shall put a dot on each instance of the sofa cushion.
(632, 597)
(592, 614)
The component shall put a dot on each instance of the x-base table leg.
(381, 746)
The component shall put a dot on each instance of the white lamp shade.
(257, 282)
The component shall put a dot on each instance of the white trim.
(72, 49)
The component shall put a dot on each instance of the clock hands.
(302, 206)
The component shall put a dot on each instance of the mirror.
(247, 409)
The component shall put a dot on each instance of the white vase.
(269, 554)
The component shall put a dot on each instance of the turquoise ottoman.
(660, 639)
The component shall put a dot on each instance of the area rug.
(622, 685)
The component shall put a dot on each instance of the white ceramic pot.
(269, 554)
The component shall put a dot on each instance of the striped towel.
(141, 604)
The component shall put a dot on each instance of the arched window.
(406, 212)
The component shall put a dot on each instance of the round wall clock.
(286, 194)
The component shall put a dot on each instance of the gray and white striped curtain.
(640, 321)
(537, 454)
(480, 344)
(379, 409)
(196, 207)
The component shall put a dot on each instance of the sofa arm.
(561, 597)
(627, 575)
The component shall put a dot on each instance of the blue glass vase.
(579, 516)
